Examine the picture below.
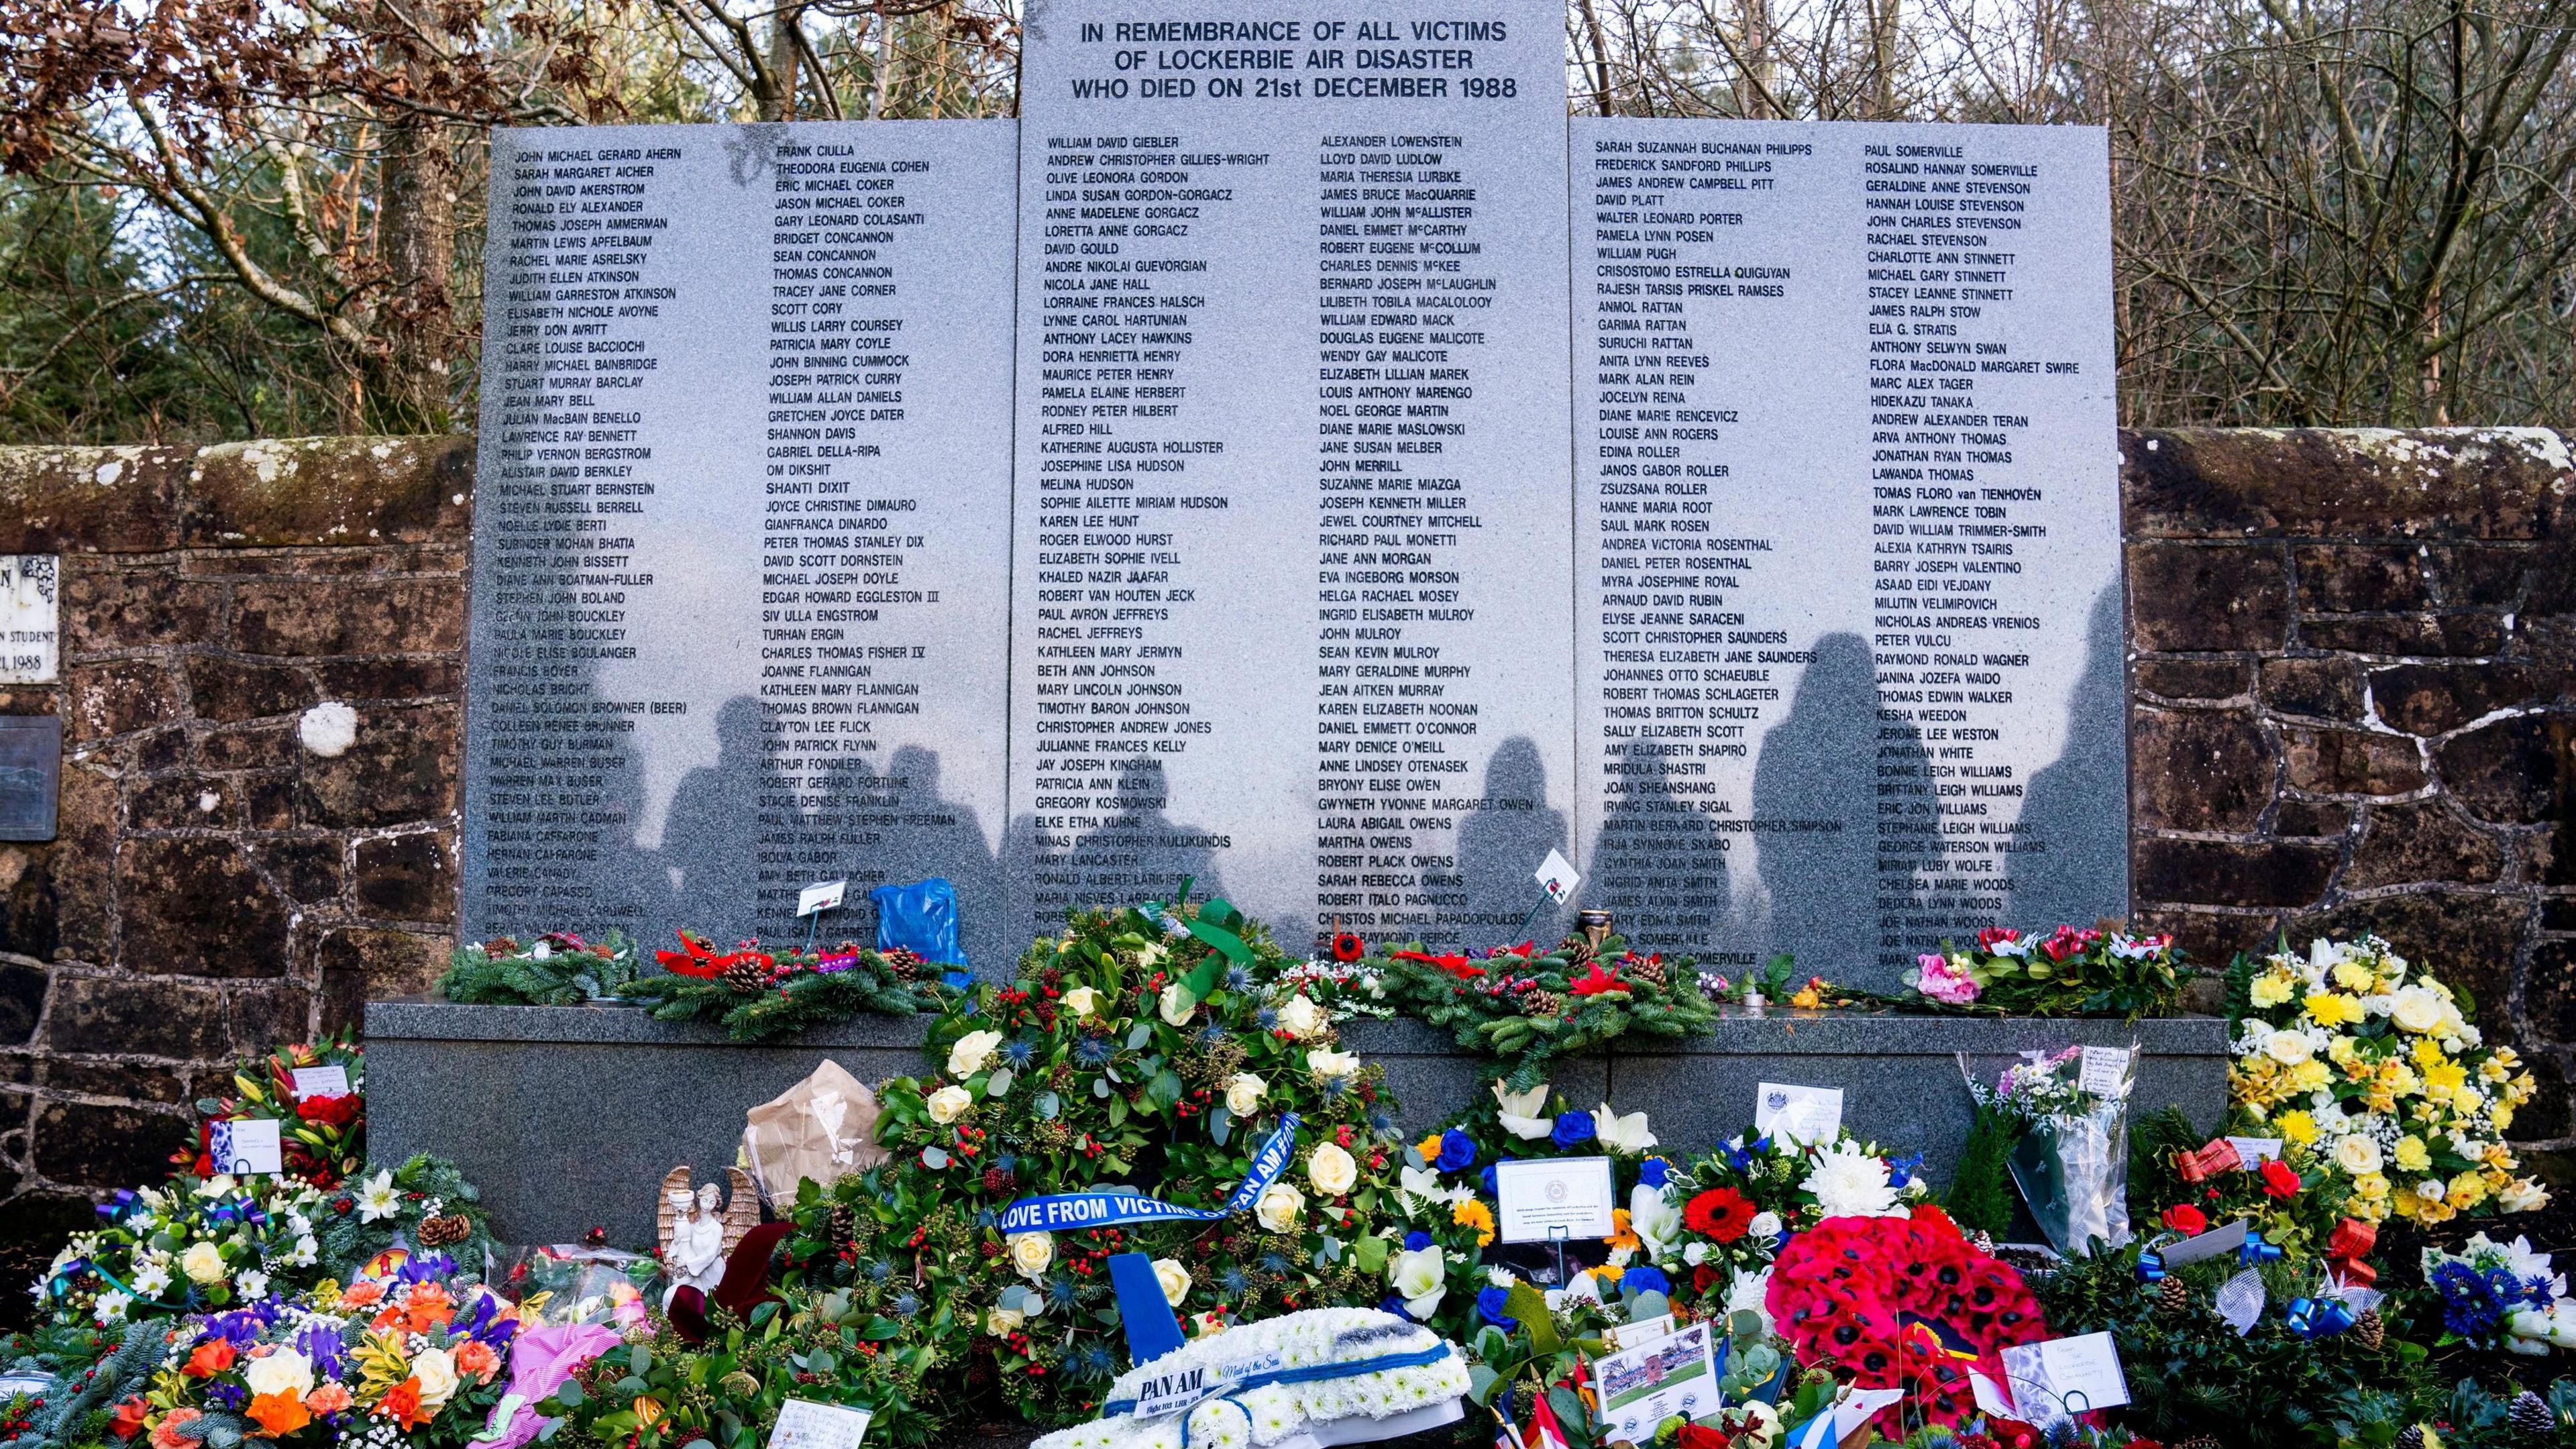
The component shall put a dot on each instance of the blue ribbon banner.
(1075, 1211)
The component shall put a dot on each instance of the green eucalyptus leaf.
(1139, 1034)
(999, 1085)
(1047, 1106)
(934, 1158)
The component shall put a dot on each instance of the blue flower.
(1457, 1151)
(1213, 1035)
(1274, 1263)
(1238, 978)
(1487, 1177)
(1094, 1050)
(1234, 1283)
(1489, 1307)
(1901, 1170)
(879, 1270)
(1267, 1018)
(1060, 1292)
(1573, 1129)
(1645, 1280)
(1655, 1172)
(906, 1305)
(1336, 1088)
(1090, 1361)
(1019, 1053)
(1416, 1241)
(1380, 1122)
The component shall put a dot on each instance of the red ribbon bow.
(2351, 1242)
(2219, 1156)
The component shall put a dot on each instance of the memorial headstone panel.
(1848, 549)
(1293, 553)
(740, 585)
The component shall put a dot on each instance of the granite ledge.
(1737, 1033)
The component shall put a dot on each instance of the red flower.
(129, 1417)
(1594, 981)
(2185, 1219)
(1703, 1278)
(1348, 947)
(696, 959)
(210, 1359)
(1721, 1213)
(2278, 1179)
(1993, 936)
(337, 1111)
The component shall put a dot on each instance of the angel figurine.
(697, 1237)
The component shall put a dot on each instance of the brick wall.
(2355, 706)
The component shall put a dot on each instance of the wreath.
(1529, 1006)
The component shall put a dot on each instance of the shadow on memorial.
(1136, 853)
(1833, 862)
(898, 827)
(1501, 844)
(2070, 863)
(1659, 861)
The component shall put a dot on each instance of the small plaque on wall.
(30, 617)
(31, 761)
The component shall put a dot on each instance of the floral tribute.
(1528, 1006)
(2373, 1068)
(322, 1137)
(2071, 971)
(1902, 1303)
(2501, 1295)
(1725, 1215)
(1143, 1047)
(557, 968)
(419, 1352)
(758, 995)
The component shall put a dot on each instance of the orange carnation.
(279, 1415)
(401, 1404)
(210, 1359)
(428, 1307)
(476, 1357)
(329, 1398)
(165, 1435)
(361, 1293)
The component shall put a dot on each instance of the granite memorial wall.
(1294, 457)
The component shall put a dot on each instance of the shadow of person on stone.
(1137, 853)
(715, 814)
(1817, 797)
(1501, 845)
(2070, 863)
(1658, 861)
(927, 834)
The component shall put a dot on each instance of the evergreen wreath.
(1528, 1006)
(556, 969)
(759, 995)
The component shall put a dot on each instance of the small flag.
(1544, 1432)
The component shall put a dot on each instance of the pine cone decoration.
(747, 977)
(2530, 1416)
(903, 961)
(2172, 1297)
(1575, 950)
(844, 1226)
(448, 1228)
(2410, 1437)
(1643, 968)
(2198, 1441)
(2370, 1330)
(1541, 1003)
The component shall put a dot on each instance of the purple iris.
(1573, 1129)
(323, 1344)
(1457, 1151)
(480, 1323)
(426, 1268)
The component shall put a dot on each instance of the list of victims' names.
(1835, 594)
(717, 600)
(1277, 267)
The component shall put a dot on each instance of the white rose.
(435, 1370)
(1003, 1322)
(1081, 1001)
(203, 1263)
(2418, 1009)
(2288, 1048)
(1695, 1253)
(1177, 1003)
(1765, 1226)
(2522, 1195)
(284, 1372)
(970, 1053)
(1418, 1277)
(1331, 1170)
(1031, 1252)
(1243, 1094)
(1325, 1062)
(1282, 1208)
(1174, 1278)
(948, 1103)
(2357, 1154)
(1301, 1018)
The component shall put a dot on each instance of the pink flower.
(1939, 981)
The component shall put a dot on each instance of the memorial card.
(1643, 1386)
(1568, 1197)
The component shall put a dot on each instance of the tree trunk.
(419, 247)
(780, 103)
(1753, 76)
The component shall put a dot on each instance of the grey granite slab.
(568, 1116)
(1848, 546)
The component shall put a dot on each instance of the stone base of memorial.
(568, 1116)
